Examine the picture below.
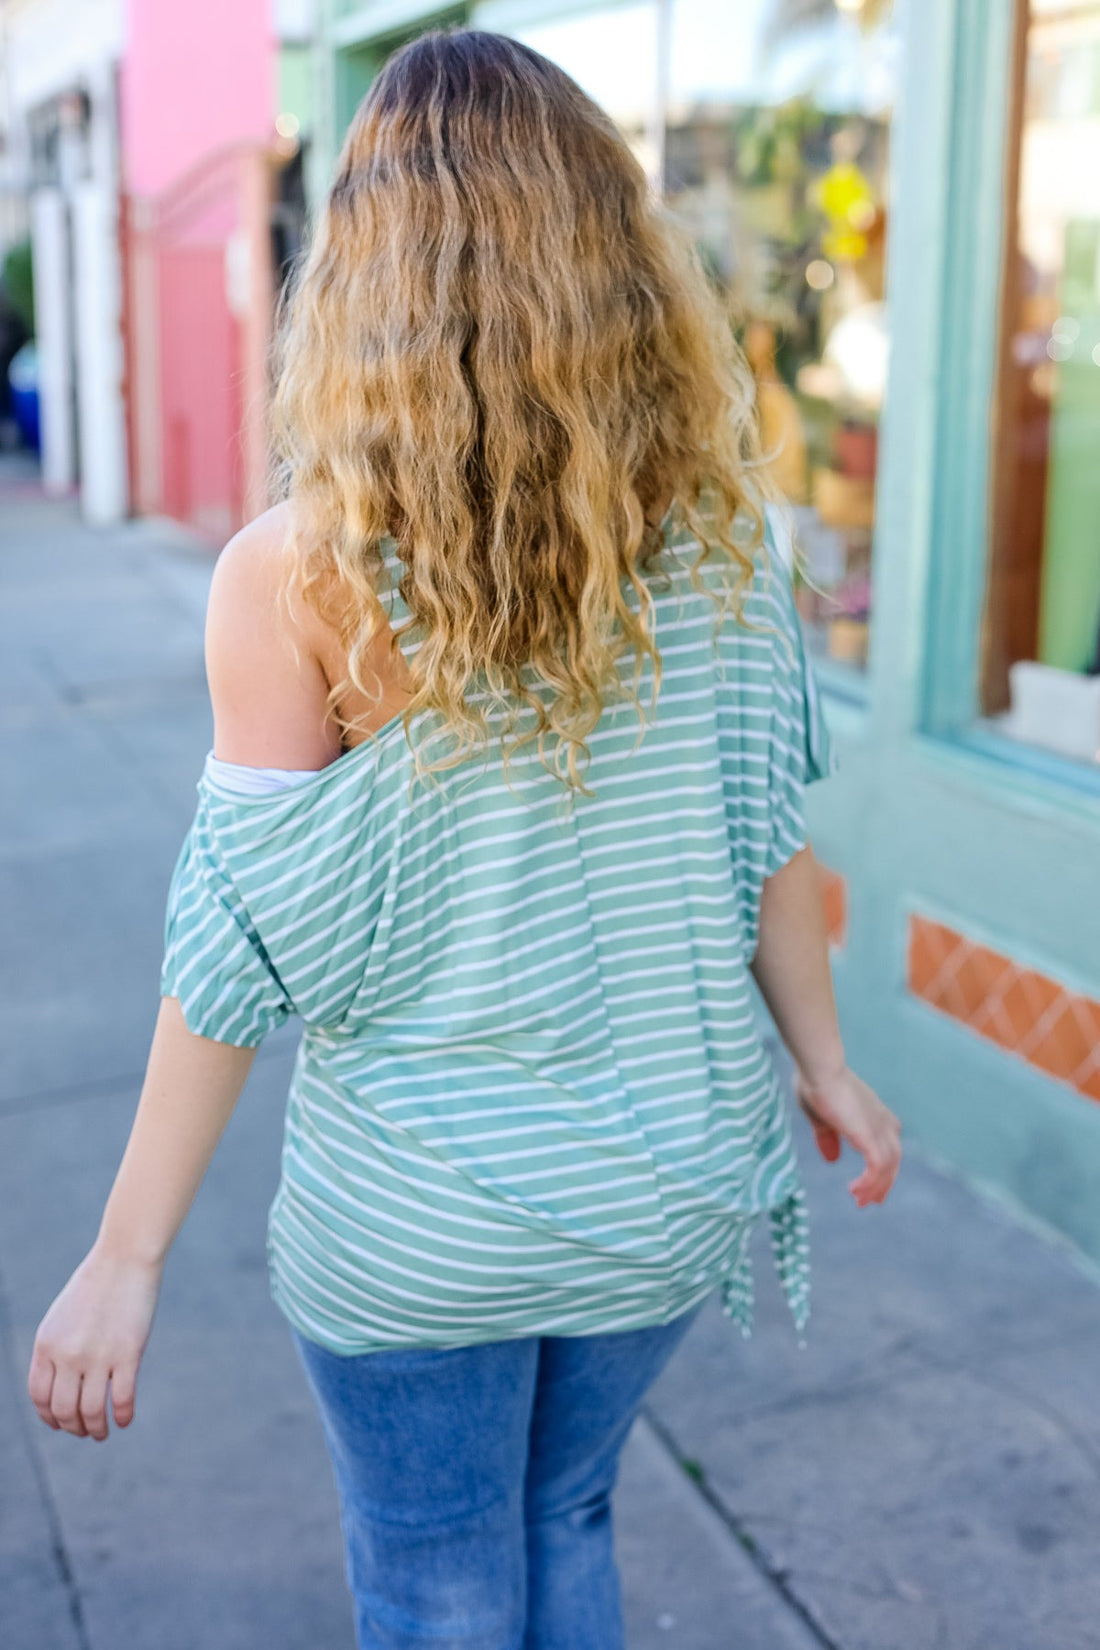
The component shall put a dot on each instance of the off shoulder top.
(531, 1095)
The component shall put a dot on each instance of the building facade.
(197, 99)
(902, 202)
(61, 137)
(155, 154)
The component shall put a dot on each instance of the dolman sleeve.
(799, 750)
(214, 961)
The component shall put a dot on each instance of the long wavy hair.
(501, 355)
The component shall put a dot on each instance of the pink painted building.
(195, 79)
(199, 153)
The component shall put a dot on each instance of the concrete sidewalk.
(924, 1474)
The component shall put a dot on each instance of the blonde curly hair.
(500, 354)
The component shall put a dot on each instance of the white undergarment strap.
(234, 776)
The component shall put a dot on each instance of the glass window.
(1040, 664)
(776, 156)
(612, 51)
(767, 122)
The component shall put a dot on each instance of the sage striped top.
(531, 1096)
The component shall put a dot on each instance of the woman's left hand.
(841, 1106)
(91, 1339)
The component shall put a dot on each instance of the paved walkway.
(923, 1477)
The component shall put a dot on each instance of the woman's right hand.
(93, 1336)
(843, 1107)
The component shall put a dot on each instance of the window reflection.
(767, 124)
(612, 51)
(776, 156)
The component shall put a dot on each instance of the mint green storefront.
(905, 202)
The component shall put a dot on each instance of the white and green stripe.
(531, 1096)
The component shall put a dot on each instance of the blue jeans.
(475, 1485)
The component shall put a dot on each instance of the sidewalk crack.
(777, 1577)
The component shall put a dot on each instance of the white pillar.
(53, 325)
(657, 122)
(99, 363)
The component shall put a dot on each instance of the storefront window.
(612, 51)
(776, 157)
(767, 123)
(1040, 677)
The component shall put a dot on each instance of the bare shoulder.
(255, 563)
(267, 684)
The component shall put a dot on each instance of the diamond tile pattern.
(834, 892)
(1043, 1022)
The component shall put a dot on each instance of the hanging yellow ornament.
(846, 198)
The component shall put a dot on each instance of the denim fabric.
(475, 1485)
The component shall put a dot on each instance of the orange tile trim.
(834, 893)
(1037, 1018)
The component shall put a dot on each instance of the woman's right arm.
(93, 1336)
(269, 700)
(791, 967)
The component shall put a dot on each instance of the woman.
(511, 726)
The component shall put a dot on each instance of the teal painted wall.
(353, 41)
(922, 816)
(295, 90)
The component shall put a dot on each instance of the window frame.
(986, 79)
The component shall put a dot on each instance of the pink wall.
(196, 74)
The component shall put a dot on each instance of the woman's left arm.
(94, 1334)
